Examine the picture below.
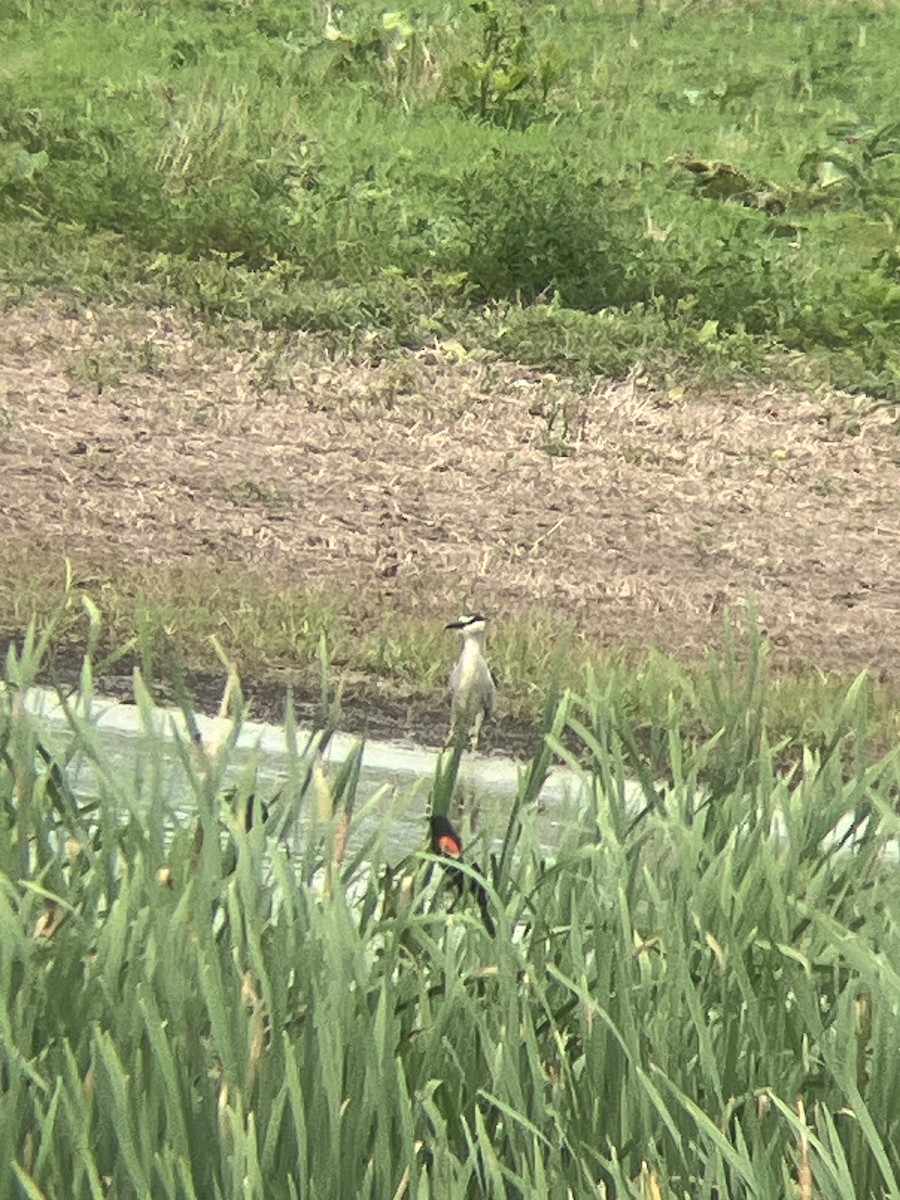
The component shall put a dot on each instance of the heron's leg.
(454, 734)
(476, 730)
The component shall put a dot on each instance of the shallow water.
(393, 792)
(143, 749)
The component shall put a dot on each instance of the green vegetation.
(677, 1004)
(697, 188)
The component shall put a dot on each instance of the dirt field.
(437, 481)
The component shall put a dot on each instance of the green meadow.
(702, 188)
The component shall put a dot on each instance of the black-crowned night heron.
(471, 683)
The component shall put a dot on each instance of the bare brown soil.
(434, 481)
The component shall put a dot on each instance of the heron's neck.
(472, 647)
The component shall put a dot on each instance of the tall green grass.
(679, 1002)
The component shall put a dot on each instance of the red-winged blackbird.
(447, 844)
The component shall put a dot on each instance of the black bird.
(447, 844)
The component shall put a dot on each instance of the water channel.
(140, 749)
(144, 751)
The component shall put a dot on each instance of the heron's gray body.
(472, 687)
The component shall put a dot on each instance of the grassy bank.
(675, 1006)
(389, 674)
(700, 189)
